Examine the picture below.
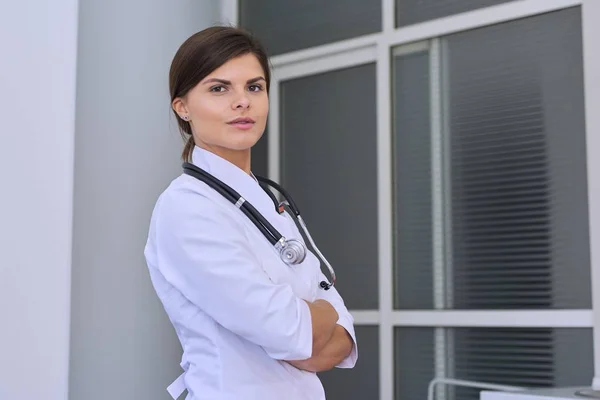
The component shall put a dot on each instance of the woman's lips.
(242, 123)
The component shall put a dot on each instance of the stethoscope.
(291, 251)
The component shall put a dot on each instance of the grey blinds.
(534, 357)
(518, 199)
(512, 160)
(520, 357)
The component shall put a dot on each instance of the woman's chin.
(244, 143)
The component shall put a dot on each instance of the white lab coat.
(235, 306)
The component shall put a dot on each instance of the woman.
(251, 326)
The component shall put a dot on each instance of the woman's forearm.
(335, 351)
(324, 318)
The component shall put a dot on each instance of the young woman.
(253, 323)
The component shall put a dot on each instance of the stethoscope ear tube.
(323, 284)
(280, 189)
(294, 208)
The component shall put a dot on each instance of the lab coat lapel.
(237, 179)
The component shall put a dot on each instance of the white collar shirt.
(236, 307)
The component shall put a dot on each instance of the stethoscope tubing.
(272, 235)
(230, 194)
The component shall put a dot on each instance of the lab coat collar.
(246, 185)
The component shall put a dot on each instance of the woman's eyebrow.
(254, 80)
(226, 82)
(217, 80)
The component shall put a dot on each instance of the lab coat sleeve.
(345, 319)
(203, 252)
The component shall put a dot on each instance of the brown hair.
(201, 54)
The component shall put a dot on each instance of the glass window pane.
(517, 154)
(260, 156)
(513, 176)
(362, 381)
(412, 11)
(285, 26)
(329, 165)
(525, 357)
(413, 264)
(414, 358)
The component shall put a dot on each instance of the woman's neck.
(239, 158)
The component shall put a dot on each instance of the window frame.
(378, 48)
(591, 65)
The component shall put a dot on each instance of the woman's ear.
(180, 108)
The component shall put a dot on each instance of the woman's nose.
(241, 102)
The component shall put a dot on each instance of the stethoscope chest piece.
(291, 251)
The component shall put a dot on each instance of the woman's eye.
(217, 89)
(255, 88)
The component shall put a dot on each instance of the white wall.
(81, 118)
(126, 151)
(37, 110)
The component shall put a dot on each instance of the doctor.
(252, 322)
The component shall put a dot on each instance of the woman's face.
(228, 109)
